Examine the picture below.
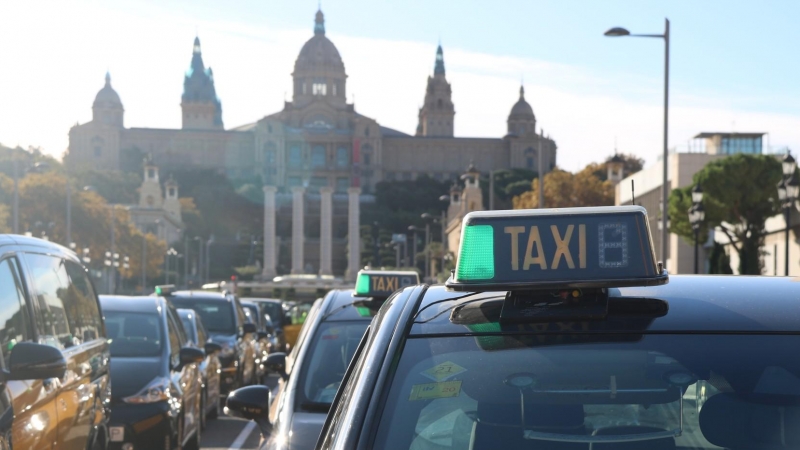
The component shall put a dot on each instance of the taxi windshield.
(567, 391)
(217, 315)
(331, 350)
(133, 334)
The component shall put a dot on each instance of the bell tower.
(436, 117)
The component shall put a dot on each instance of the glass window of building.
(319, 87)
(318, 182)
(342, 183)
(342, 157)
(293, 181)
(295, 156)
(318, 156)
(366, 154)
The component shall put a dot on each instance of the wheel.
(215, 411)
(194, 442)
(203, 403)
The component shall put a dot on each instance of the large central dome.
(319, 53)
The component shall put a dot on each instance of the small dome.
(319, 52)
(522, 109)
(107, 97)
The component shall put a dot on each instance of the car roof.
(140, 304)
(36, 244)
(262, 300)
(339, 306)
(695, 304)
(199, 295)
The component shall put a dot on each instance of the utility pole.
(540, 168)
(144, 263)
(113, 252)
(15, 202)
(69, 213)
(491, 191)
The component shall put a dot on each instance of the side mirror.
(212, 347)
(251, 403)
(32, 361)
(276, 362)
(249, 328)
(191, 355)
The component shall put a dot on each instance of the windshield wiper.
(315, 407)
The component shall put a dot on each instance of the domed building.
(318, 158)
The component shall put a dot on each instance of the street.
(227, 433)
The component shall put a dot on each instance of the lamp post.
(619, 32)
(696, 216)
(788, 190)
(414, 231)
(428, 219)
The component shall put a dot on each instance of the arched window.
(342, 157)
(295, 156)
(366, 154)
(530, 160)
(319, 87)
(318, 156)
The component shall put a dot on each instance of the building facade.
(681, 168)
(318, 141)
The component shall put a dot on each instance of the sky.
(732, 66)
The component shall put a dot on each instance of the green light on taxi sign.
(556, 249)
(362, 284)
(477, 253)
(382, 283)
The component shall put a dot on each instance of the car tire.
(194, 442)
(203, 403)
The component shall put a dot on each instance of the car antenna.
(633, 196)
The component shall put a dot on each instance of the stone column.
(268, 272)
(298, 229)
(325, 230)
(353, 234)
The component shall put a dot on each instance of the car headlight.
(155, 391)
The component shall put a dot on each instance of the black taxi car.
(156, 382)
(559, 330)
(54, 368)
(311, 373)
(224, 319)
(210, 368)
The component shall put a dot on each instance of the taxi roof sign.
(556, 248)
(165, 290)
(382, 283)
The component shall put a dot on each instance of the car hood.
(130, 375)
(305, 429)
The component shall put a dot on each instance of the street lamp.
(620, 32)
(414, 231)
(697, 215)
(428, 219)
(788, 191)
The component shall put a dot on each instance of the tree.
(739, 195)
(507, 185)
(564, 189)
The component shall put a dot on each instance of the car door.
(33, 402)
(183, 377)
(247, 345)
(212, 363)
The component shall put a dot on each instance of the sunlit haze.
(734, 67)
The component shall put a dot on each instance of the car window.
(652, 391)
(80, 301)
(239, 312)
(174, 340)
(186, 321)
(202, 335)
(217, 315)
(134, 334)
(51, 284)
(251, 311)
(329, 354)
(13, 315)
(275, 312)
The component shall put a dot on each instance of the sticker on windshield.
(435, 390)
(443, 371)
